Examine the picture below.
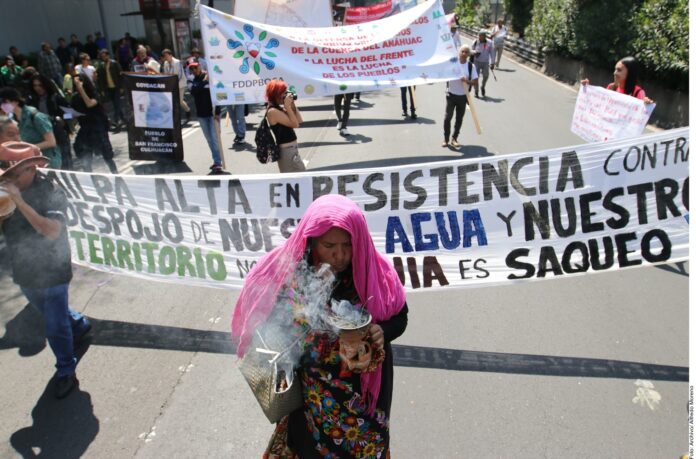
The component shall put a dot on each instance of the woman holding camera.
(284, 117)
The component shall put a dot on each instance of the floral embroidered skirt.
(336, 422)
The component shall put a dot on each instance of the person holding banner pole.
(207, 118)
(626, 73)
(457, 91)
(284, 117)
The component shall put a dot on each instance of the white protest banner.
(601, 114)
(462, 223)
(413, 47)
(288, 13)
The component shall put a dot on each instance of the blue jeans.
(238, 122)
(61, 323)
(208, 128)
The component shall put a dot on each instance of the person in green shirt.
(34, 127)
(10, 73)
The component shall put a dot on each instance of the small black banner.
(154, 131)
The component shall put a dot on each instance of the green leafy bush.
(466, 10)
(602, 32)
(662, 38)
(521, 14)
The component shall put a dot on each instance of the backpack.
(267, 150)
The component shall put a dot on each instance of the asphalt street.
(592, 366)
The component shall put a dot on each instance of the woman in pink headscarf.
(345, 413)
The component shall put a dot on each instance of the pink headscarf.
(373, 276)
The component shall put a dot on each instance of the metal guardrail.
(516, 46)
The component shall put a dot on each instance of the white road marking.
(646, 394)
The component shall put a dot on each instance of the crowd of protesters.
(85, 79)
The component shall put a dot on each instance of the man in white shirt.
(457, 90)
(173, 66)
(86, 67)
(499, 34)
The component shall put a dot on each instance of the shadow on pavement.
(26, 332)
(353, 122)
(505, 70)
(162, 167)
(60, 428)
(678, 268)
(466, 152)
(127, 334)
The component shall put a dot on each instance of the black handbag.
(267, 150)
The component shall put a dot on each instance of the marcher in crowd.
(19, 58)
(238, 122)
(453, 22)
(49, 64)
(411, 91)
(9, 131)
(68, 81)
(34, 127)
(75, 48)
(457, 90)
(10, 73)
(173, 66)
(284, 117)
(100, 41)
(342, 109)
(86, 67)
(484, 58)
(45, 97)
(498, 35)
(93, 136)
(124, 54)
(346, 407)
(144, 63)
(626, 73)
(200, 90)
(195, 56)
(109, 82)
(63, 53)
(39, 253)
(91, 47)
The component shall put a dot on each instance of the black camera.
(293, 94)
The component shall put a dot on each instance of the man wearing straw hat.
(32, 218)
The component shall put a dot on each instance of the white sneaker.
(338, 125)
(344, 132)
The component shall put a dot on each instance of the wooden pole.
(219, 139)
(473, 112)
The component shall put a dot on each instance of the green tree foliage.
(602, 32)
(521, 12)
(466, 10)
(662, 35)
